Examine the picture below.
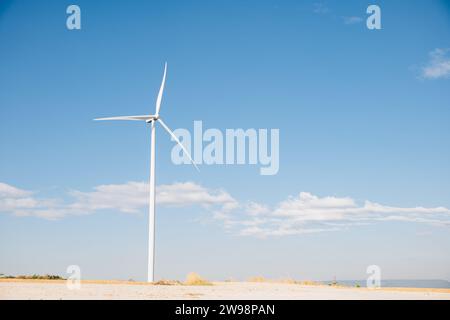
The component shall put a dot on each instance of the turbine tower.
(152, 120)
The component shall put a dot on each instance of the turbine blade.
(174, 137)
(135, 118)
(161, 90)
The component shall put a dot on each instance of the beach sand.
(55, 290)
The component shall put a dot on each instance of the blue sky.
(363, 116)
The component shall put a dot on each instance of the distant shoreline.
(399, 283)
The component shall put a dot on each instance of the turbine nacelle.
(151, 119)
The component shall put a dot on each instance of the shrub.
(193, 279)
(39, 277)
(309, 283)
(257, 279)
(288, 281)
(163, 282)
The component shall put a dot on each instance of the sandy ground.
(36, 289)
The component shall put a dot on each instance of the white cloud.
(254, 209)
(22, 202)
(352, 20)
(307, 213)
(320, 8)
(7, 191)
(438, 66)
(301, 214)
(130, 197)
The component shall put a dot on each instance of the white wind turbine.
(152, 119)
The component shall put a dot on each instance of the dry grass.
(261, 279)
(257, 279)
(310, 283)
(34, 277)
(164, 282)
(288, 281)
(193, 279)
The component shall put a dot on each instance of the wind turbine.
(152, 120)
